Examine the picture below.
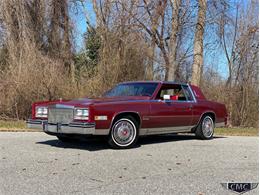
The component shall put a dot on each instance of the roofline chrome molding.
(193, 96)
(173, 83)
(161, 82)
(177, 101)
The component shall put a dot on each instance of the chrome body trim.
(177, 101)
(192, 93)
(193, 98)
(62, 106)
(173, 101)
(221, 124)
(165, 130)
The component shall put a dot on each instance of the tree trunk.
(54, 38)
(149, 69)
(197, 66)
(167, 63)
(170, 75)
(67, 41)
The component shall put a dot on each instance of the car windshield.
(132, 89)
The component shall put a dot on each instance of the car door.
(170, 115)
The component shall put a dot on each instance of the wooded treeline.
(213, 44)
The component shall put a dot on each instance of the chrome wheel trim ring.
(123, 132)
(207, 127)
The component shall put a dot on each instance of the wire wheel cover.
(207, 126)
(124, 132)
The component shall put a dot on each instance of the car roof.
(162, 82)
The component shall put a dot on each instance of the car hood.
(88, 101)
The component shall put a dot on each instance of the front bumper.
(71, 128)
(35, 124)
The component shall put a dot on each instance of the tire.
(124, 133)
(205, 129)
(65, 138)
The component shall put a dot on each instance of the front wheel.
(205, 129)
(124, 133)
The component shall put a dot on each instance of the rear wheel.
(124, 133)
(205, 129)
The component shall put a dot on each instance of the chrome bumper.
(35, 124)
(71, 128)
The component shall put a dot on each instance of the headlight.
(41, 111)
(81, 114)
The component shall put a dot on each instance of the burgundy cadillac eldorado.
(130, 110)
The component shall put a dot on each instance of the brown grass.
(237, 131)
(14, 126)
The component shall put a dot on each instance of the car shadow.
(100, 143)
(90, 144)
(153, 139)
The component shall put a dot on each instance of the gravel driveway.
(36, 163)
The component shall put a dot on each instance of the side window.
(167, 92)
(187, 92)
(175, 92)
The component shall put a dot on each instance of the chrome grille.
(60, 115)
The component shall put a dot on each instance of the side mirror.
(166, 97)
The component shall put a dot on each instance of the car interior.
(175, 92)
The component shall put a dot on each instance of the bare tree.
(60, 34)
(171, 73)
(238, 38)
(156, 26)
(198, 44)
